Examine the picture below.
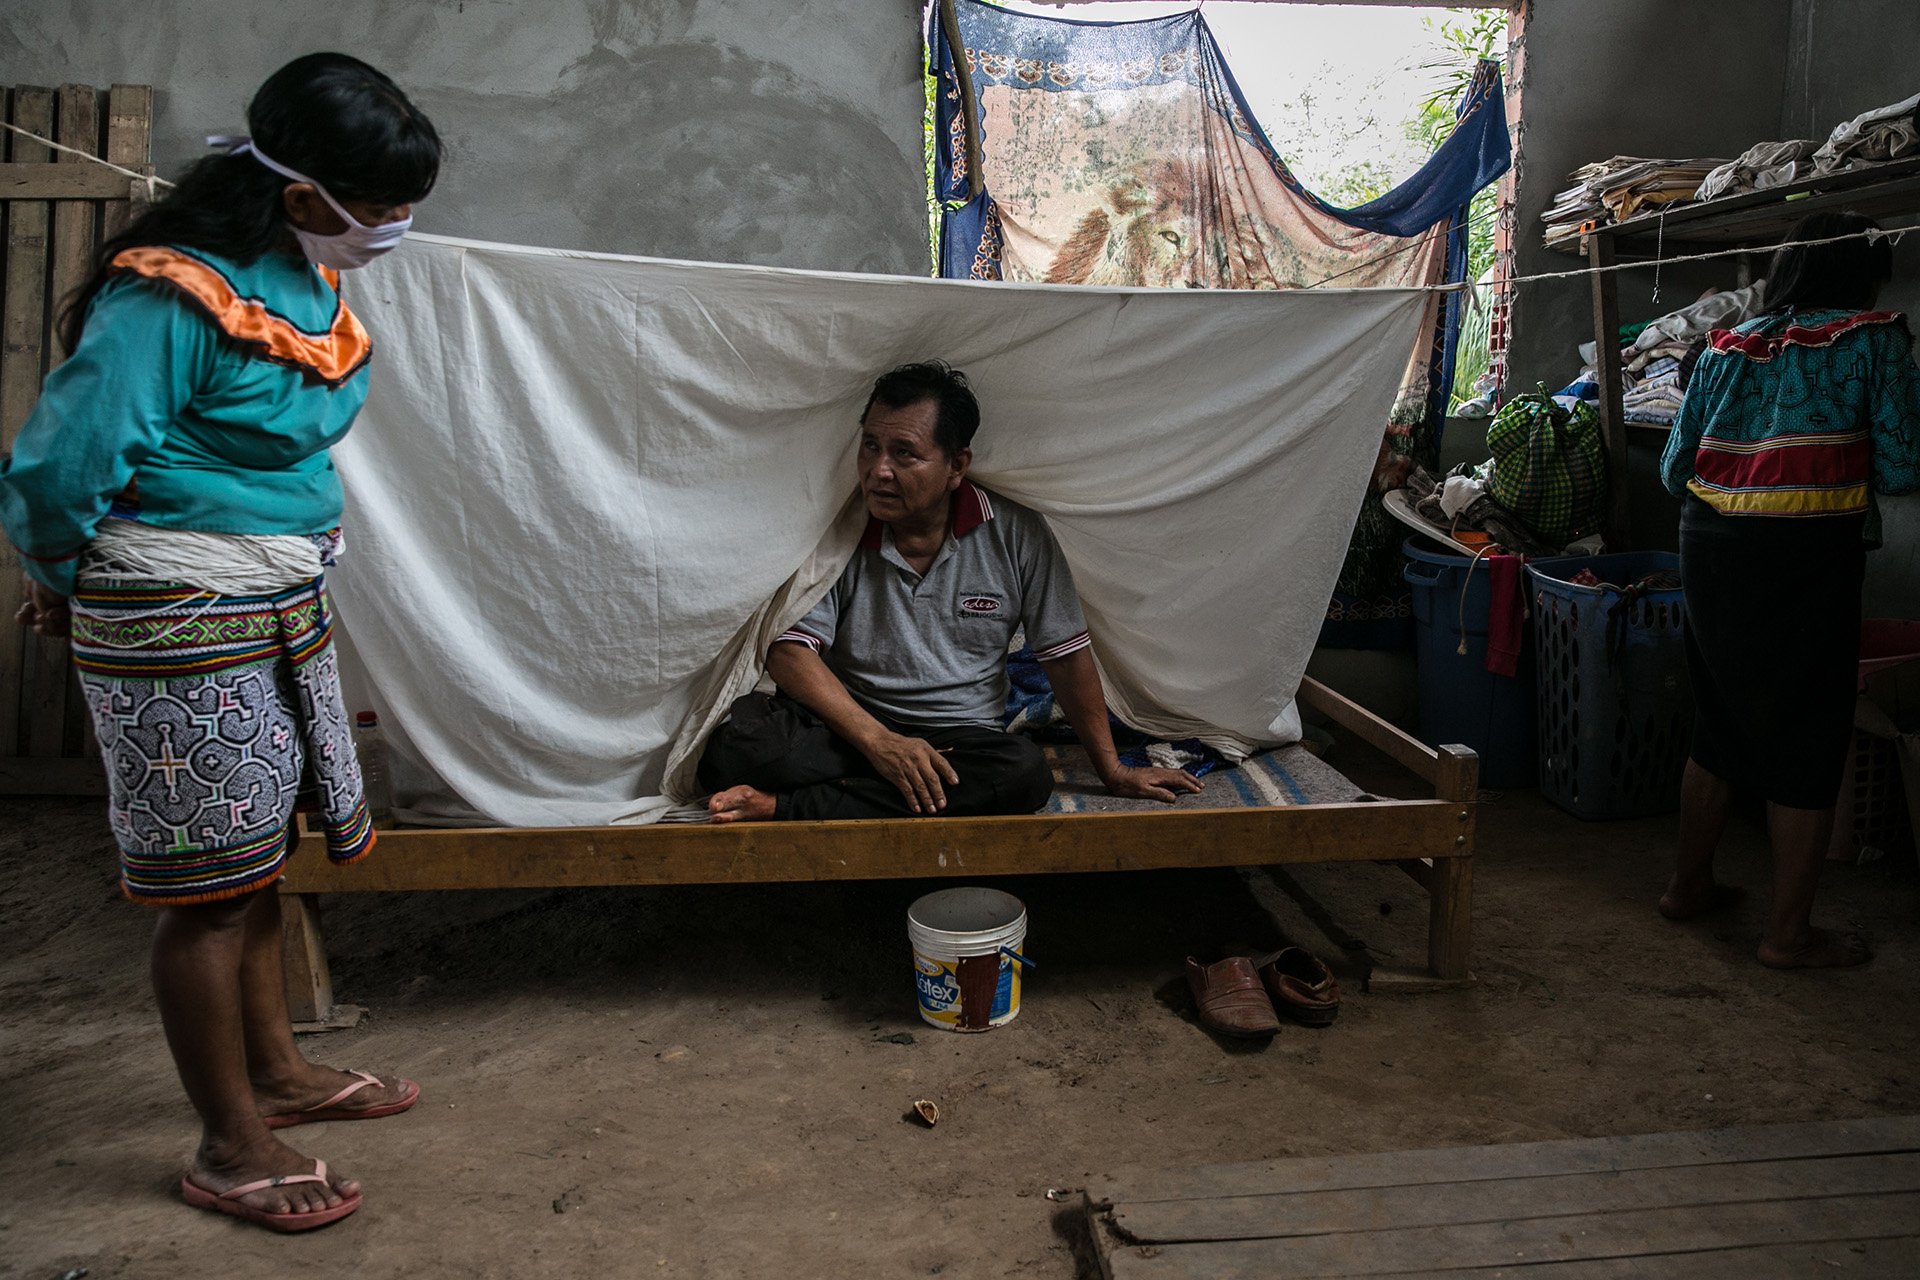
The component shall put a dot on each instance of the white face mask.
(358, 245)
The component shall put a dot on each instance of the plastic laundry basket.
(1615, 703)
(1460, 700)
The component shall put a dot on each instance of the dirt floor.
(706, 1081)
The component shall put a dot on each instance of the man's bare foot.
(1819, 949)
(740, 804)
(1685, 899)
(309, 1085)
(219, 1169)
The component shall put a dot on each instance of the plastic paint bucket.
(966, 957)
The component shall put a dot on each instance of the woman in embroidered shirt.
(1790, 424)
(173, 500)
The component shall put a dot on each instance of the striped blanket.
(1285, 776)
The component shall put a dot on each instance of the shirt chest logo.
(979, 606)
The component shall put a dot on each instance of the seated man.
(891, 688)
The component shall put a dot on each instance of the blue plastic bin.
(1460, 700)
(1616, 710)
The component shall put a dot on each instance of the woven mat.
(1287, 775)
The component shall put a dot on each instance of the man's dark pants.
(772, 743)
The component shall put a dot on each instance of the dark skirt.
(1773, 647)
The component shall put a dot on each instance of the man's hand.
(1152, 783)
(912, 765)
(43, 611)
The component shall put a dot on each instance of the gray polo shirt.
(932, 650)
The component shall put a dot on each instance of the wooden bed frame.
(1430, 839)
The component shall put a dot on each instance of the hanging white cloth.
(588, 490)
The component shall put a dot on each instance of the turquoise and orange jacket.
(203, 395)
(1798, 414)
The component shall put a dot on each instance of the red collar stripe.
(1765, 346)
(971, 507)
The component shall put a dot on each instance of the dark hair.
(1843, 275)
(935, 380)
(326, 115)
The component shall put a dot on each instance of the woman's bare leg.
(1705, 802)
(1800, 838)
(197, 961)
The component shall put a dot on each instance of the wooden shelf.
(1762, 217)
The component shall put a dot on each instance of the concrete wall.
(724, 130)
(1850, 56)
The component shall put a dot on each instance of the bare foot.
(311, 1084)
(220, 1170)
(1819, 949)
(1684, 900)
(740, 804)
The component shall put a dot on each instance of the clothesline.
(1464, 285)
(147, 178)
(1459, 286)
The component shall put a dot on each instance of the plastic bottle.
(370, 746)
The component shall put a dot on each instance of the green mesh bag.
(1549, 466)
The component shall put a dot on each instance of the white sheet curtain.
(587, 490)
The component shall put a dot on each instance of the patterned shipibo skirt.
(216, 715)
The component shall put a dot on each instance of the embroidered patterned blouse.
(1800, 414)
(203, 395)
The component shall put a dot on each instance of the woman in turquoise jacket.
(173, 501)
(1791, 423)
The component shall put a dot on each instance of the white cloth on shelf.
(588, 490)
(1884, 133)
(1760, 167)
(1721, 309)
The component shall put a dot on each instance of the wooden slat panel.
(129, 143)
(59, 730)
(57, 181)
(1821, 1138)
(47, 676)
(22, 352)
(527, 858)
(73, 219)
(1438, 1204)
(1636, 1234)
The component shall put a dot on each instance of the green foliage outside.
(1462, 39)
(1459, 41)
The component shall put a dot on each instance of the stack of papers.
(1620, 188)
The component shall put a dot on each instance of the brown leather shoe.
(1228, 996)
(1301, 986)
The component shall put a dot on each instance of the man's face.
(904, 475)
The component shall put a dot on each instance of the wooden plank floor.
(1839, 1198)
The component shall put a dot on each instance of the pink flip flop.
(331, 1109)
(228, 1202)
